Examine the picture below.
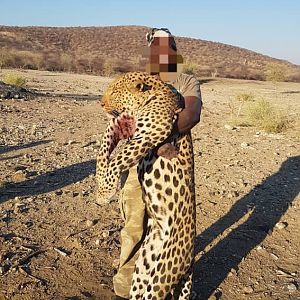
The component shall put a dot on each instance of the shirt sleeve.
(189, 86)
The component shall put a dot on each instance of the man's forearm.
(189, 116)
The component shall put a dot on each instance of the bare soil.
(57, 243)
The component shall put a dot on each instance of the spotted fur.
(164, 267)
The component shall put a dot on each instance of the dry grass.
(248, 110)
(14, 79)
(236, 108)
(262, 114)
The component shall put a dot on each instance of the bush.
(109, 67)
(275, 73)
(14, 79)
(190, 68)
(245, 97)
(236, 108)
(262, 114)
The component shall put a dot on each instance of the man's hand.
(167, 151)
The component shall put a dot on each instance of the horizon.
(267, 27)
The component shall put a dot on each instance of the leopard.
(145, 108)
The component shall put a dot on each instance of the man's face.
(163, 60)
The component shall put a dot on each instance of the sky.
(270, 27)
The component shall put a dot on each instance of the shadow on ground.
(74, 97)
(48, 182)
(5, 149)
(267, 202)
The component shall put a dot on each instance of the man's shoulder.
(187, 85)
(184, 78)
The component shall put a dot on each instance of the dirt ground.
(57, 243)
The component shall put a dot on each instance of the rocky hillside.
(106, 50)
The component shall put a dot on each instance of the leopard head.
(130, 91)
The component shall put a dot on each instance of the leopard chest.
(168, 189)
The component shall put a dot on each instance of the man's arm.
(187, 119)
(189, 116)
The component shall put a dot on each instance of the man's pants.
(132, 235)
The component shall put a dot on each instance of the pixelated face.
(163, 60)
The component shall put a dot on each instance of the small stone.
(274, 256)
(59, 193)
(20, 208)
(85, 193)
(60, 251)
(232, 272)
(229, 127)
(281, 225)
(258, 248)
(90, 223)
(105, 234)
(97, 242)
(248, 290)
(292, 287)
(244, 145)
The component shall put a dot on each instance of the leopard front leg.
(144, 139)
(106, 185)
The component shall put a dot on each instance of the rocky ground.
(57, 243)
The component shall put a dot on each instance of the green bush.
(275, 73)
(14, 79)
(246, 110)
(262, 114)
(109, 67)
(245, 97)
(190, 68)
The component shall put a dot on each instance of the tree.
(275, 73)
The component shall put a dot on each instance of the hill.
(107, 50)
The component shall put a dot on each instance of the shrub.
(275, 73)
(14, 79)
(236, 108)
(66, 61)
(5, 58)
(190, 68)
(262, 114)
(109, 67)
(245, 97)
(257, 112)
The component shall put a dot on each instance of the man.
(164, 62)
